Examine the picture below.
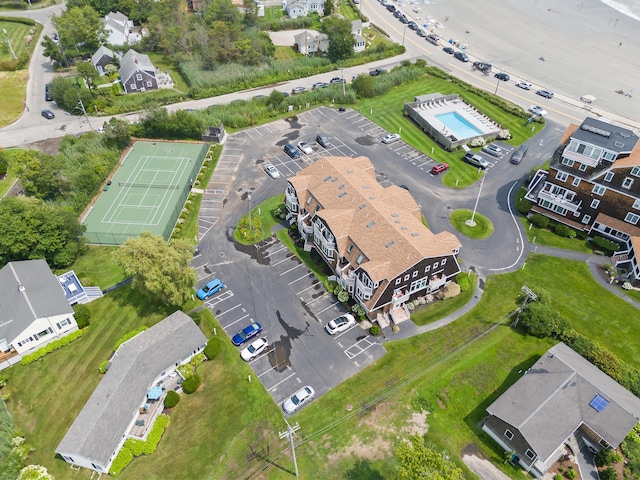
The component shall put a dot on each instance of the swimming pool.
(460, 127)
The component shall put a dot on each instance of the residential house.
(137, 73)
(301, 8)
(121, 30)
(563, 400)
(103, 57)
(114, 411)
(593, 185)
(194, 5)
(372, 237)
(34, 309)
(309, 42)
(359, 43)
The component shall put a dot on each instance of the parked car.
(463, 57)
(337, 80)
(297, 90)
(47, 93)
(214, 286)
(255, 349)
(421, 32)
(48, 114)
(537, 110)
(482, 66)
(271, 170)
(319, 85)
(304, 147)
(292, 151)
(475, 160)
(545, 93)
(524, 85)
(397, 14)
(492, 149)
(391, 8)
(502, 76)
(448, 50)
(390, 138)
(246, 334)
(433, 38)
(340, 324)
(439, 168)
(376, 71)
(298, 399)
(412, 25)
(286, 94)
(519, 154)
(323, 141)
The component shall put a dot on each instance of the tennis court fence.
(166, 186)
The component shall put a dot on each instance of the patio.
(151, 408)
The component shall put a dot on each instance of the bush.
(343, 296)
(564, 231)
(571, 474)
(191, 384)
(608, 474)
(540, 220)
(374, 330)
(462, 279)
(213, 348)
(540, 320)
(523, 206)
(171, 399)
(607, 457)
(103, 367)
(605, 244)
(50, 347)
(123, 459)
(82, 314)
(557, 476)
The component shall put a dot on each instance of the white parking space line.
(247, 132)
(292, 269)
(313, 285)
(236, 321)
(346, 331)
(266, 371)
(212, 301)
(357, 349)
(227, 311)
(299, 278)
(282, 381)
(327, 308)
(281, 261)
(260, 356)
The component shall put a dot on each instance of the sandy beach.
(589, 47)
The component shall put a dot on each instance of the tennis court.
(147, 192)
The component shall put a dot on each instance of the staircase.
(91, 293)
(400, 314)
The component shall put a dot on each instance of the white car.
(305, 148)
(340, 324)
(255, 349)
(298, 399)
(524, 85)
(537, 110)
(271, 170)
(390, 138)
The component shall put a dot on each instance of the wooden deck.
(155, 408)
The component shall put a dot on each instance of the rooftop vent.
(414, 234)
(395, 215)
(342, 194)
(618, 144)
(328, 178)
(390, 244)
(625, 134)
(341, 187)
(362, 206)
(371, 224)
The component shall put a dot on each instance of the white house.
(301, 8)
(310, 41)
(359, 43)
(121, 30)
(111, 414)
(34, 310)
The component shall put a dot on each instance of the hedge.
(135, 448)
(50, 347)
(191, 384)
(128, 336)
(605, 244)
(82, 315)
(462, 279)
(24, 21)
(540, 220)
(171, 399)
(213, 348)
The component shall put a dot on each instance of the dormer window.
(608, 177)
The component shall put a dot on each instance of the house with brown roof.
(372, 237)
(593, 185)
(563, 403)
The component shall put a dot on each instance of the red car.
(439, 168)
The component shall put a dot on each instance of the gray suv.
(323, 141)
(475, 160)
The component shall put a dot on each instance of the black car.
(519, 154)
(448, 50)
(413, 26)
(502, 76)
(292, 151)
(48, 114)
(397, 13)
(403, 19)
(47, 93)
(463, 57)
(376, 72)
(391, 8)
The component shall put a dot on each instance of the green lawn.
(262, 221)
(12, 88)
(17, 33)
(284, 53)
(442, 308)
(164, 64)
(480, 230)
(95, 267)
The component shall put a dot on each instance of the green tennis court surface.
(147, 192)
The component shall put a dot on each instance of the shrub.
(128, 336)
(477, 142)
(524, 206)
(123, 459)
(605, 244)
(197, 360)
(213, 348)
(540, 220)
(375, 330)
(571, 474)
(540, 320)
(50, 347)
(462, 279)
(82, 314)
(185, 370)
(171, 399)
(451, 290)
(607, 457)
(608, 474)
(191, 384)
(564, 231)
(343, 296)
(338, 290)
(557, 476)
(103, 367)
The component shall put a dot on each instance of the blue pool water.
(458, 125)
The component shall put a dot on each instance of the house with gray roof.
(137, 72)
(563, 400)
(103, 57)
(302, 8)
(143, 362)
(310, 41)
(33, 308)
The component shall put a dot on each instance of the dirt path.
(484, 469)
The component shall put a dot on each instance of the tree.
(540, 320)
(67, 94)
(116, 133)
(416, 460)
(340, 37)
(250, 13)
(328, 8)
(53, 51)
(87, 71)
(159, 269)
(33, 229)
(363, 85)
(42, 175)
(81, 30)
(275, 98)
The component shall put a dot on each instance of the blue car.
(214, 286)
(246, 333)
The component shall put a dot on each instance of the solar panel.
(599, 403)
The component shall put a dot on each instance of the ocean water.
(630, 8)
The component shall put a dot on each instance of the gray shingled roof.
(100, 425)
(552, 399)
(42, 296)
(606, 135)
(101, 52)
(133, 61)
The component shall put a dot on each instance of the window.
(586, 219)
(139, 76)
(406, 277)
(632, 218)
(63, 323)
(309, 199)
(350, 248)
(149, 84)
(398, 281)
(415, 274)
(608, 177)
(133, 86)
(359, 259)
(427, 268)
(609, 156)
(635, 171)
(628, 181)
(599, 189)
(435, 265)
(567, 161)
(530, 454)
(576, 181)
(418, 285)
(508, 434)
(636, 204)
(444, 260)
(594, 203)
(562, 176)
(583, 167)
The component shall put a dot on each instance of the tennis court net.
(166, 186)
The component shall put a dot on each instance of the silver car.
(271, 170)
(390, 138)
(298, 399)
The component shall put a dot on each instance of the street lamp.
(497, 83)
(344, 92)
(250, 228)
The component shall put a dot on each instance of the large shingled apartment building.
(593, 185)
(372, 237)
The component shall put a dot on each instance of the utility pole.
(288, 433)
(529, 295)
